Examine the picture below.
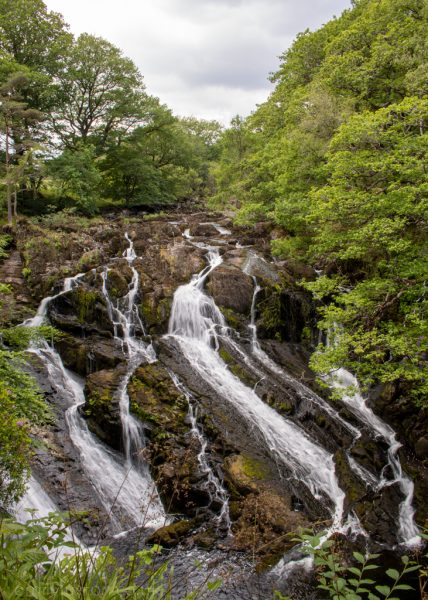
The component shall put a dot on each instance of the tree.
(32, 35)
(102, 94)
(153, 165)
(76, 173)
(16, 120)
(36, 40)
(370, 223)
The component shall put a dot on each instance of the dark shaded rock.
(421, 448)
(203, 230)
(285, 314)
(81, 309)
(171, 535)
(231, 288)
(86, 355)
(101, 408)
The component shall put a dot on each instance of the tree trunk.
(15, 204)
(8, 182)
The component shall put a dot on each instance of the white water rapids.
(126, 491)
(342, 379)
(194, 323)
(408, 533)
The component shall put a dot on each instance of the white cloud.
(209, 58)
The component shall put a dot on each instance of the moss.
(86, 301)
(253, 468)
(225, 356)
(271, 312)
(232, 318)
(171, 535)
(321, 421)
(235, 368)
(97, 403)
(89, 260)
(153, 314)
(149, 313)
(143, 415)
(286, 407)
(243, 375)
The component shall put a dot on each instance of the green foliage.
(23, 390)
(100, 94)
(19, 338)
(76, 175)
(38, 561)
(337, 158)
(4, 244)
(14, 448)
(356, 582)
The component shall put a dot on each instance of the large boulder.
(102, 406)
(172, 451)
(86, 355)
(81, 310)
(231, 288)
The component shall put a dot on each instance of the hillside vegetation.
(337, 159)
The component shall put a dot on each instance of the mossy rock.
(234, 319)
(171, 535)
(101, 408)
(155, 400)
(90, 260)
(117, 284)
(155, 312)
(237, 369)
(262, 527)
(245, 473)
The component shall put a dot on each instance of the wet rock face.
(231, 288)
(171, 450)
(81, 310)
(89, 354)
(101, 408)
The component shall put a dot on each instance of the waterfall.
(194, 323)
(213, 485)
(126, 491)
(125, 318)
(344, 380)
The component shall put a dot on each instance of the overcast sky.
(207, 58)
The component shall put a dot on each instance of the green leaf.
(359, 557)
(383, 589)
(403, 586)
(355, 571)
(393, 573)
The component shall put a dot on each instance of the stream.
(302, 456)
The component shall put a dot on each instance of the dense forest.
(329, 176)
(80, 130)
(336, 158)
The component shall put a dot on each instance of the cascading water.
(126, 321)
(345, 381)
(342, 379)
(128, 493)
(36, 500)
(194, 323)
(218, 495)
(261, 356)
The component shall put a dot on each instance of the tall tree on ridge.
(102, 94)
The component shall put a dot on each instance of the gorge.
(180, 421)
